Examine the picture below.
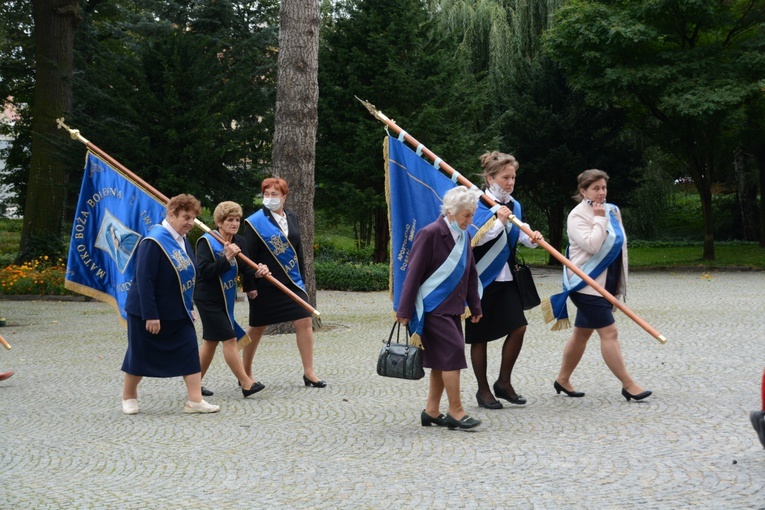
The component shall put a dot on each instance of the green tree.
(55, 23)
(682, 69)
(387, 52)
(182, 94)
(550, 129)
(16, 88)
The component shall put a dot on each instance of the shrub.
(351, 277)
(42, 276)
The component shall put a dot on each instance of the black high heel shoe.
(500, 393)
(317, 384)
(427, 420)
(639, 396)
(256, 387)
(575, 394)
(488, 405)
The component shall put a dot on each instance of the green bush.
(351, 277)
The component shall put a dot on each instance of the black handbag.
(525, 283)
(400, 360)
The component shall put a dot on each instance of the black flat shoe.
(488, 405)
(206, 392)
(465, 423)
(317, 384)
(256, 387)
(500, 393)
(639, 396)
(427, 420)
(560, 388)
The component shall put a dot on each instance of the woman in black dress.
(272, 237)
(162, 341)
(501, 301)
(215, 293)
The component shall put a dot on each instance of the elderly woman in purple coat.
(440, 279)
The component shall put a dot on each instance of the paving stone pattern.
(64, 442)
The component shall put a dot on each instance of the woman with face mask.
(503, 315)
(272, 237)
(440, 278)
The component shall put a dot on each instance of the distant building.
(7, 117)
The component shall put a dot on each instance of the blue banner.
(112, 216)
(415, 190)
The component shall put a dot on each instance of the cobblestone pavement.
(64, 442)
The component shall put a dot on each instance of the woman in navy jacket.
(162, 341)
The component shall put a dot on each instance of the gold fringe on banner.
(482, 231)
(549, 316)
(243, 342)
(95, 294)
(390, 223)
(416, 341)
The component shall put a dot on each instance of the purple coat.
(442, 335)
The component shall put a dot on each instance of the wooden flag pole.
(5, 344)
(451, 172)
(75, 134)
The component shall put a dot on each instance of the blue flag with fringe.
(415, 191)
(113, 215)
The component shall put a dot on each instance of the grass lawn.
(748, 255)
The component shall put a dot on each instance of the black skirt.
(216, 325)
(170, 353)
(502, 314)
(272, 306)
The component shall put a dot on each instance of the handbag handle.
(398, 331)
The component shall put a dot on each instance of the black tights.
(510, 351)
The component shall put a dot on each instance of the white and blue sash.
(183, 265)
(496, 257)
(440, 284)
(593, 268)
(227, 282)
(279, 246)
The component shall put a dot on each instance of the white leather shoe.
(200, 407)
(130, 406)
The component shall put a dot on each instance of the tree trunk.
(382, 236)
(55, 24)
(759, 156)
(746, 191)
(555, 222)
(296, 118)
(702, 181)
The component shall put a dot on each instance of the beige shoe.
(130, 406)
(200, 407)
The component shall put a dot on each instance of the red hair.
(276, 182)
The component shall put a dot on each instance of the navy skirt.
(592, 312)
(170, 353)
(443, 342)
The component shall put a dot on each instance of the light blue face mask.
(456, 227)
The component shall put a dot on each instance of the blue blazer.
(155, 292)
